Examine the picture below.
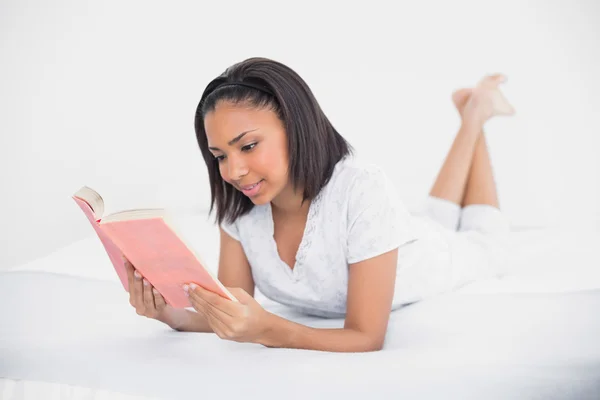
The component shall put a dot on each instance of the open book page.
(96, 203)
(93, 199)
(127, 215)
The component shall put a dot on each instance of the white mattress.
(68, 332)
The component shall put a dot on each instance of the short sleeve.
(231, 229)
(378, 221)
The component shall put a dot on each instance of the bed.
(68, 332)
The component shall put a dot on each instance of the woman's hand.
(245, 321)
(148, 302)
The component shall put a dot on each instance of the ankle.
(473, 125)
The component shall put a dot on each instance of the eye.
(249, 147)
(219, 158)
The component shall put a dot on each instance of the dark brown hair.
(314, 146)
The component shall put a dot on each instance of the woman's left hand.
(243, 321)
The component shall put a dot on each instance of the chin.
(260, 200)
(264, 197)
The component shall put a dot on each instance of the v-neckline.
(304, 242)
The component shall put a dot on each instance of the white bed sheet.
(542, 260)
(69, 332)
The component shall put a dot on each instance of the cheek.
(223, 171)
(273, 164)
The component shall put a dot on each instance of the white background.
(104, 93)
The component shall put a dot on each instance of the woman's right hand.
(146, 300)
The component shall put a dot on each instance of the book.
(148, 239)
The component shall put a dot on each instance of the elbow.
(365, 341)
(371, 343)
(376, 346)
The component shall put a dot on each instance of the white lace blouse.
(356, 216)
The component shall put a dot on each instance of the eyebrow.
(234, 140)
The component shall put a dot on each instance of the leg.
(466, 175)
(481, 187)
(452, 179)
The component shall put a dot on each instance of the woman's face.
(251, 148)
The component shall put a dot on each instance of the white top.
(356, 216)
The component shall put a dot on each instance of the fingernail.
(186, 288)
(193, 286)
(137, 274)
(155, 292)
(145, 282)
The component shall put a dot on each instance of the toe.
(492, 81)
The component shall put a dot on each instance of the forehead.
(229, 119)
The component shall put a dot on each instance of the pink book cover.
(157, 252)
(114, 253)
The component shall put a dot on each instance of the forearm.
(287, 334)
(184, 320)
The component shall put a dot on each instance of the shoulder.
(360, 189)
(377, 220)
(355, 179)
(353, 175)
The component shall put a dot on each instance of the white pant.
(482, 218)
(458, 246)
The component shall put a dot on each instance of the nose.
(237, 168)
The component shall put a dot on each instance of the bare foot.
(486, 101)
(500, 106)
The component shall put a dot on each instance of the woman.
(315, 229)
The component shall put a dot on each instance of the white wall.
(103, 93)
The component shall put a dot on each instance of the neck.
(289, 202)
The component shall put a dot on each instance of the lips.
(248, 187)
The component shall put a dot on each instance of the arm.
(234, 271)
(370, 292)
(184, 320)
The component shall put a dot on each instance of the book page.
(132, 214)
(93, 199)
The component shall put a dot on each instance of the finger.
(241, 295)
(159, 301)
(213, 324)
(210, 310)
(128, 267)
(219, 328)
(198, 306)
(138, 291)
(129, 270)
(148, 297)
(224, 305)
